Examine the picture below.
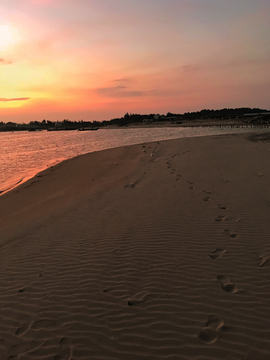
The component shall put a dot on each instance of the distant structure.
(257, 114)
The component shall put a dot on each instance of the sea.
(23, 154)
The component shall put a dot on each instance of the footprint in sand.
(221, 218)
(65, 352)
(231, 233)
(222, 207)
(168, 165)
(226, 284)
(216, 254)
(25, 324)
(208, 198)
(138, 298)
(209, 333)
(132, 185)
(263, 259)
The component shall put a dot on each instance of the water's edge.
(31, 173)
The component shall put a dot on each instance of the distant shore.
(195, 123)
(222, 117)
(155, 124)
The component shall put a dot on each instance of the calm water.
(23, 154)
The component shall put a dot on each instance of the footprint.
(192, 187)
(208, 198)
(216, 254)
(132, 185)
(138, 298)
(263, 259)
(226, 284)
(222, 207)
(32, 183)
(214, 322)
(209, 333)
(221, 218)
(65, 350)
(25, 324)
(231, 233)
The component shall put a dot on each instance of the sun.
(6, 36)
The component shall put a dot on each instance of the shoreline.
(24, 177)
(159, 124)
(145, 251)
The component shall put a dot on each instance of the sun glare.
(7, 36)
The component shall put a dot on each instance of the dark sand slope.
(144, 252)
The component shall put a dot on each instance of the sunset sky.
(95, 60)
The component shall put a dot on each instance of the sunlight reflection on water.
(23, 154)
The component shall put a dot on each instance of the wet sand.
(151, 251)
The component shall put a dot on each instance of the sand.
(152, 251)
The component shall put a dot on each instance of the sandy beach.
(150, 251)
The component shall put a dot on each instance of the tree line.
(130, 118)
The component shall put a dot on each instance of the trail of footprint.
(226, 284)
(209, 333)
(216, 254)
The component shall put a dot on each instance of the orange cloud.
(14, 99)
(3, 61)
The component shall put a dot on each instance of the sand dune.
(152, 251)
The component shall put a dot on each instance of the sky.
(97, 60)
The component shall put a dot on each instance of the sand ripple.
(149, 271)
